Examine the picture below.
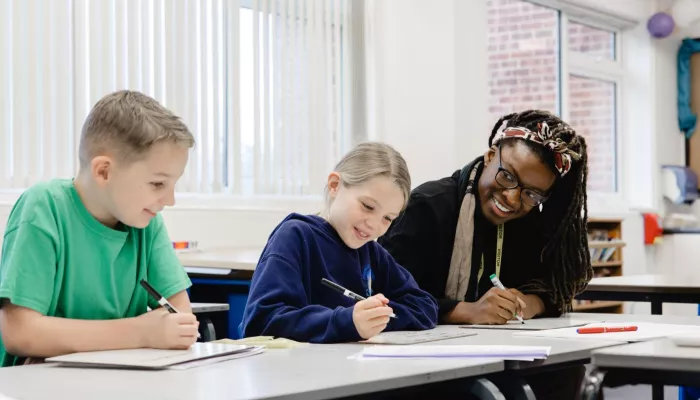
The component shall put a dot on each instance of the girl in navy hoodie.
(365, 193)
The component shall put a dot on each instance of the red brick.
(523, 62)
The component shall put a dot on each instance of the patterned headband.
(562, 155)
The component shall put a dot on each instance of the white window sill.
(193, 201)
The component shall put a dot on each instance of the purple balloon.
(660, 25)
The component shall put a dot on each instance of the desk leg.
(657, 307)
(206, 329)
(485, 389)
(592, 384)
(513, 386)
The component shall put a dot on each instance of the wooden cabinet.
(605, 244)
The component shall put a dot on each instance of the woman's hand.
(533, 304)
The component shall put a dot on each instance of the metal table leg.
(484, 389)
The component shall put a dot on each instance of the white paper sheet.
(645, 331)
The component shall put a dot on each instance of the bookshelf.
(605, 243)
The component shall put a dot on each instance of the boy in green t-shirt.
(75, 250)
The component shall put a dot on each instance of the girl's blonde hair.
(370, 160)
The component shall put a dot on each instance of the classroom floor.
(638, 392)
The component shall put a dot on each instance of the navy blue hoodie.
(288, 300)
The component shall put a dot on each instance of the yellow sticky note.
(265, 341)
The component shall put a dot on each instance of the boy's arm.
(181, 301)
(165, 272)
(26, 288)
(27, 333)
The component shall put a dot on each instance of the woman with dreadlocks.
(519, 211)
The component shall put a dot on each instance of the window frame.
(599, 68)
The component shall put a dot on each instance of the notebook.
(412, 337)
(527, 353)
(534, 324)
(268, 342)
(156, 358)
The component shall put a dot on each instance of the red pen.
(604, 329)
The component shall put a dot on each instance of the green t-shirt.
(57, 259)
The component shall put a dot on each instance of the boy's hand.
(163, 330)
(371, 315)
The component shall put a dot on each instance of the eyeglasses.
(509, 181)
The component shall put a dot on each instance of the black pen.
(160, 299)
(347, 292)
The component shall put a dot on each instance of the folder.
(198, 354)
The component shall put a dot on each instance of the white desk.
(657, 289)
(220, 261)
(657, 362)
(206, 326)
(222, 275)
(199, 308)
(619, 359)
(563, 350)
(310, 372)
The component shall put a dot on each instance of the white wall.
(429, 61)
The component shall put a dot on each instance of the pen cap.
(493, 277)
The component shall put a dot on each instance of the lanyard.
(499, 254)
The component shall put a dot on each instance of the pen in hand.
(161, 300)
(497, 283)
(348, 293)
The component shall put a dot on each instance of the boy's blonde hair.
(127, 124)
(370, 160)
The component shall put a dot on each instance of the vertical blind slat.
(186, 54)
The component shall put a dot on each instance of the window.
(539, 58)
(592, 109)
(591, 41)
(523, 57)
(239, 78)
(292, 100)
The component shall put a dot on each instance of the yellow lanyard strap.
(499, 254)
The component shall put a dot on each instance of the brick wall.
(523, 53)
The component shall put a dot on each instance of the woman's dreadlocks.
(565, 213)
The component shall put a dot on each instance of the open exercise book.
(197, 355)
(537, 324)
(412, 337)
(520, 353)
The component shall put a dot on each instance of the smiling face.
(500, 205)
(135, 192)
(363, 212)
